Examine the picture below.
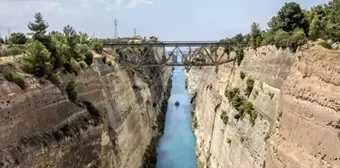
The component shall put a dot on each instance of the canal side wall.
(289, 117)
(41, 127)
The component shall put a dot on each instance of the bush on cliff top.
(16, 78)
(37, 61)
(56, 51)
(293, 26)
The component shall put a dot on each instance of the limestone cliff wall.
(41, 127)
(239, 144)
(307, 131)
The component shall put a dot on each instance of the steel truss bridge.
(198, 53)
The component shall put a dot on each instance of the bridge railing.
(173, 43)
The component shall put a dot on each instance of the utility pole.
(93, 35)
(134, 32)
(9, 32)
(116, 28)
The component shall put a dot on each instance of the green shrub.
(237, 102)
(282, 39)
(242, 75)
(88, 57)
(16, 78)
(267, 136)
(94, 112)
(252, 118)
(194, 122)
(97, 46)
(82, 64)
(228, 141)
(242, 139)
(249, 109)
(82, 48)
(298, 39)
(324, 44)
(239, 55)
(73, 66)
(71, 91)
(17, 38)
(224, 117)
(237, 116)
(15, 50)
(250, 85)
(231, 93)
(37, 61)
(55, 78)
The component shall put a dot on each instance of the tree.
(317, 29)
(255, 35)
(97, 46)
(318, 22)
(238, 38)
(37, 60)
(72, 40)
(17, 38)
(275, 23)
(88, 57)
(38, 27)
(291, 17)
(239, 55)
(308, 15)
(333, 23)
(58, 58)
(83, 38)
(298, 39)
(2, 41)
(282, 38)
(268, 37)
(247, 39)
(6, 40)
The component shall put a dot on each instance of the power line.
(116, 28)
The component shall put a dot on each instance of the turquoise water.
(176, 148)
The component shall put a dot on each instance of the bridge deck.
(178, 64)
(172, 44)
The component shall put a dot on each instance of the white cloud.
(134, 3)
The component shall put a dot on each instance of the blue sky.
(166, 19)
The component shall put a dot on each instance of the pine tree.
(38, 27)
(38, 60)
(255, 35)
(333, 24)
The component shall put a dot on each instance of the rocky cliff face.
(307, 131)
(297, 108)
(111, 124)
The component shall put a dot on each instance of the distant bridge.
(199, 57)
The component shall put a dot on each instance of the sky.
(169, 20)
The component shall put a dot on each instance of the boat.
(177, 103)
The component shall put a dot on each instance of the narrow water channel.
(176, 148)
